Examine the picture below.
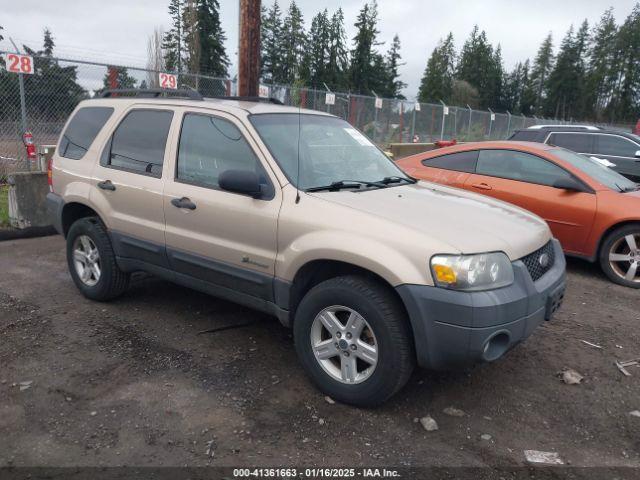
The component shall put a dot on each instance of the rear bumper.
(55, 203)
(458, 329)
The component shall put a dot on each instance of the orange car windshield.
(597, 170)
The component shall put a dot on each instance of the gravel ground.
(135, 382)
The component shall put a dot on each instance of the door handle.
(183, 202)
(107, 185)
(481, 186)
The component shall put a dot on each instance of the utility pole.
(249, 48)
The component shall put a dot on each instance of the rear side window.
(519, 166)
(139, 142)
(577, 142)
(616, 146)
(211, 145)
(526, 136)
(82, 131)
(460, 162)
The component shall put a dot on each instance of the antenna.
(298, 159)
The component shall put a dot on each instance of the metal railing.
(58, 84)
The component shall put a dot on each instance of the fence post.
(470, 113)
(442, 128)
(375, 119)
(490, 123)
(508, 123)
(401, 119)
(23, 103)
(524, 121)
(413, 124)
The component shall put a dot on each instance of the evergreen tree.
(363, 74)
(394, 85)
(1, 37)
(542, 66)
(513, 92)
(123, 79)
(601, 69)
(625, 105)
(205, 38)
(271, 30)
(495, 79)
(53, 91)
(172, 41)
(566, 81)
(478, 67)
(338, 55)
(438, 78)
(48, 43)
(316, 62)
(294, 41)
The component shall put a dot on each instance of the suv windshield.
(596, 170)
(332, 152)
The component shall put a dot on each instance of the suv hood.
(468, 222)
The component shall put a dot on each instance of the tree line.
(321, 57)
(594, 74)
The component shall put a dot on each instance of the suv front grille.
(540, 262)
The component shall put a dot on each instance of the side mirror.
(240, 181)
(568, 183)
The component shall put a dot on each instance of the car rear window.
(139, 142)
(459, 162)
(82, 131)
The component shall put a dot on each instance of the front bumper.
(454, 329)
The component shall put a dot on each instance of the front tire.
(92, 262)
(620, 256)
(353, 339)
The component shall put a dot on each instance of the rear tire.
(620, 256)
(92, 262)
(364, 357)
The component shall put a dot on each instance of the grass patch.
(4, 205)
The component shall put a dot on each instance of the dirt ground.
(134, 382)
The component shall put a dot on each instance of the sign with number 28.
(19, 63)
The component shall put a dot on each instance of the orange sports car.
(591, 209)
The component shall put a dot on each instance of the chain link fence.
(58, 84)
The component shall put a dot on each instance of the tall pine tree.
(626, 102)
(208, 39)
(316, 62)
(365, 73)
(172, 40)
(294, 41)
(601, 69)
(542, 66)
(271, 30)
(394, 85)
(477, 66)
(338, 54)
(438, 78)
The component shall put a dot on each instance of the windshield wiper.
(396, 179)
(339, 185)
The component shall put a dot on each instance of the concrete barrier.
(27, 204)
(401, 150)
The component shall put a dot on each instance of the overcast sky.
(117, 30)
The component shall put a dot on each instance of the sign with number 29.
(168, 80)
(19, 63)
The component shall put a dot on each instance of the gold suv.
(297, 214)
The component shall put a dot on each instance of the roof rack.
(576, 127)
(273, 100)
(151, 93)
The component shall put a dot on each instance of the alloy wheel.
(624, 257)
(344, 344)
(86, 260)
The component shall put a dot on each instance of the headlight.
(484, 271)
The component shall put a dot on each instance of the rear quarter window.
(82, 131)
(459, 162)
(526, 136)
